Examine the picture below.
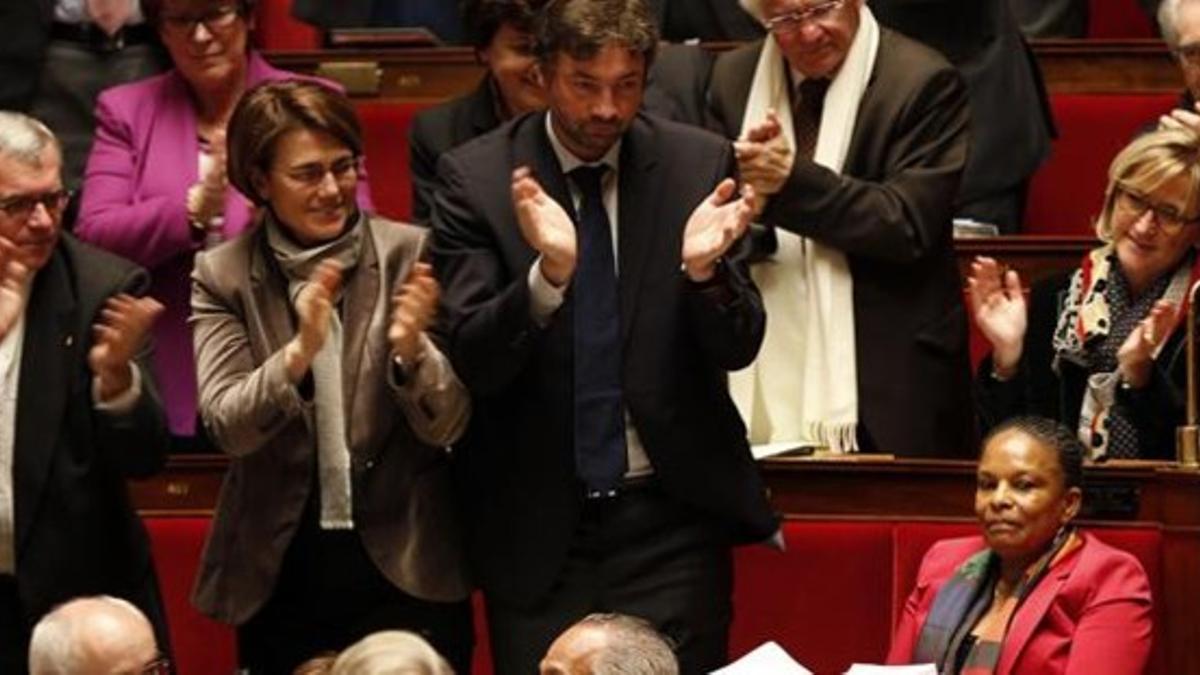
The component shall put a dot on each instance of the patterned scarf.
(1096, 318)
(333, 447)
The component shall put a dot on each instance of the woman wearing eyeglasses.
(1101, 349)
(317, 378)
(155, 189)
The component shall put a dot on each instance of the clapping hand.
(998, 305)
(413, 309)
(314, 307)
(206, 198)
(119, 333)
(713, 227)
(1136, 355)
(764, 159)
(545, 226)
(13, 275)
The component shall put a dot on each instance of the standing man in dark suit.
(593, 309)
(1010, 126)
(20, 51)
(78, 410)
(859, 137)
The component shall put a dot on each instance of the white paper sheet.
(768, 657)
(867, 669)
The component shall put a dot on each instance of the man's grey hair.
(58, 644)
(1168, 14)
(25, 139)
(634, 647)
(390, 652)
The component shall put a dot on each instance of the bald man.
(608, 644)
(94, 636)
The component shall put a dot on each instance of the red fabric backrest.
(200, 645)
(1067, 192)
(1119, 19)
(824, 599)
(385, 137)
(276, 30)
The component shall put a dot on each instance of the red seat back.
(1067, 192)
(276, 30)
(200, 645)
(385, 137)
(1119, 19)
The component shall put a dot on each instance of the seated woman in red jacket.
(1033, 594)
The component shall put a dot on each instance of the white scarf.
(803, 387)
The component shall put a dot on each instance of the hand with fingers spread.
(1135, 358)
(413, 309)
(119, 334)
(13, 275)
(545, 226)
(314, 307)
(714, 226)
(206, 197)
(764, 159)
(998, 305)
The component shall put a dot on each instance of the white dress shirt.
(75, 11)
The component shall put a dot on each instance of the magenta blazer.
(1090, 615)
(144, 158)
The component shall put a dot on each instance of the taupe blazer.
(403, 505)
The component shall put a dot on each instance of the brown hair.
(152, 9)
(270, 110)
(581, 28)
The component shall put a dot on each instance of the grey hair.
(634, 648)
(391, 652)
(24, 138)
(55, 648)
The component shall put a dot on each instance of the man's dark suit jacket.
(27, 24)
(889, 211)
(76, 531)
(1011, 123)
(683, 75)
(516, 463)
(708, 20)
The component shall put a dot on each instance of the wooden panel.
(1033, 257)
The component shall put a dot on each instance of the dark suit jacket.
(26, 25)
(403, 503)
(889, 211)
(1036, 389)
(76, 531)
(1010, 116)
(1052, 18)
(1092, 613)
(516, 463)
(708, 20)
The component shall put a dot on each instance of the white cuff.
(544, 297)
(125, 401)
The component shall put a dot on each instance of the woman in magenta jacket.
(155, 189)
(1033, 595)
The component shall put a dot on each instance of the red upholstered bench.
(1117, 19)
(385, 137)
(201, 646)
(1066, 193)
(276, 30)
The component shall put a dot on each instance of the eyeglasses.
(311, 175)
(1189, 54)
(20, 207)
(215, 20)
(1135, 205)
(161, 665)
(794, 21)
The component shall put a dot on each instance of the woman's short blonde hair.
(391, 652)
(271, 109)
(1149, 162)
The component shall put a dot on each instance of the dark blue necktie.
(599, 412)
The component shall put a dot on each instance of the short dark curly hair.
(1067, 447)
(581, 28)
(152, 9)
(483, 18)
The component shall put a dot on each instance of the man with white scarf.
(857, 138)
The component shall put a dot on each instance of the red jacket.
(1090, 615)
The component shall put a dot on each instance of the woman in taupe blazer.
(316, 376)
